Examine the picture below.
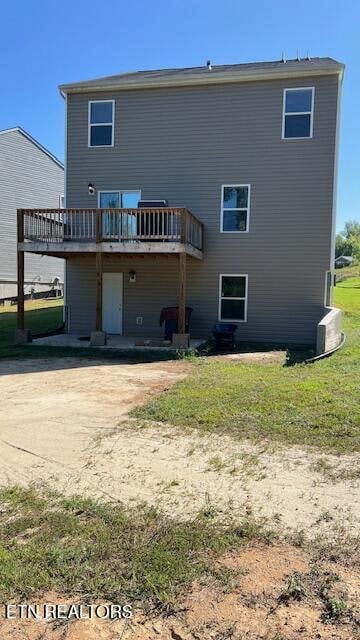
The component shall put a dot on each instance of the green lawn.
(40, 316)
(316, 404)
(348, 272)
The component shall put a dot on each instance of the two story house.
(210, 187)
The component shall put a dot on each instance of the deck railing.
(114, 225)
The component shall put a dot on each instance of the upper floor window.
(101, 123)
(298, 112)
(235, 208)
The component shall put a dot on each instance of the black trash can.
(224, 334)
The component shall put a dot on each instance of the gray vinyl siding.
(155, 287)
(183, 144)
(29, 178)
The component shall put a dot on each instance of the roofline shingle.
(203, 75)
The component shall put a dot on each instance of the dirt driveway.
(63, 421)
(54, 409)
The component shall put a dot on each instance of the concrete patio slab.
(113, 342)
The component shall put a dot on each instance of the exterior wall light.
(91, 189)
(132, 276)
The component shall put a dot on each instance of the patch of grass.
(334, 610)
(322, 585)
(78, 546)
(40, 316)
(295, 589)
(339, 546)
(316, 405)
(347, 272)
(170, 485)
(192, 449)
(246, 465)
(216, 464)
(336, 472)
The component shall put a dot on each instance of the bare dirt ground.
(64, 422)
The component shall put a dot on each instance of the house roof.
(35, 142)
(205, 75)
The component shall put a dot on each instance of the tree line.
(348, 241)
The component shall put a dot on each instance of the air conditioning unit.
(149, 204)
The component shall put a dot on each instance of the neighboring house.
(250, 150)
(30, 176)
(343, 261)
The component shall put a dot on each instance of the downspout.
(65, 310)
(335, 182)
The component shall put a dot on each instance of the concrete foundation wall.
(329, 331)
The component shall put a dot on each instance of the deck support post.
(22, 335)
(99, 301)
(182, 292)
(181, 339)
(98, 337)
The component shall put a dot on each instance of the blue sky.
(44, 43)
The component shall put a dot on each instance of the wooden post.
(98, 290)
(183, 226)
(20, 273)
(99, 226)
(182, 292)
(99, 270)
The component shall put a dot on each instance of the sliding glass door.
(118, 225)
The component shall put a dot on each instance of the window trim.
(233, 275)
(101, 124)
(299, 113)
(247, 209)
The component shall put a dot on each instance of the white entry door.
(112, 302)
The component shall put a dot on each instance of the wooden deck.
(65, 231)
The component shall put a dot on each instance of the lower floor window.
(233, 297)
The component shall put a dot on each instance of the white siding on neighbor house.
(29, 178)
(182, 144)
